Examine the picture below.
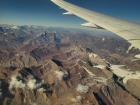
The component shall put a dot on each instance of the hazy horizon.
(45, 13)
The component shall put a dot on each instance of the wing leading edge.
(127, 30)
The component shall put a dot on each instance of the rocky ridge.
(53, 68)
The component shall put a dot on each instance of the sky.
(45, 13)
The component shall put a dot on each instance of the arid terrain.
(55, 66)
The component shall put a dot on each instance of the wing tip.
(55, 0)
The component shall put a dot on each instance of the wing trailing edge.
(68, 13)
(91, 25)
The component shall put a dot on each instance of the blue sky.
(44, 12)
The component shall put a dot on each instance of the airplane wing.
(127, 30)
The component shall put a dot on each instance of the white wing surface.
(125, 29)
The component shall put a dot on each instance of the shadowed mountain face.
(56, 66)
